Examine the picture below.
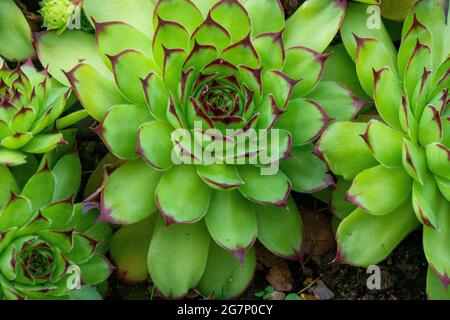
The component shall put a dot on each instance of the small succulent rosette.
(58, 14)
(399, 163)
(186, 77)
(31, 105)
(48, 247)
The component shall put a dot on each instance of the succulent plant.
(31, 103)
(48, 247)
(399, 163)
(57, 14)
(225, 64)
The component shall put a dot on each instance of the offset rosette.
(400, 164)
(57, 14)
(30, 104)
(48, 247)
(179, 98)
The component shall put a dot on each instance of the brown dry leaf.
(318, 234)
(279, 275)
(305, 296)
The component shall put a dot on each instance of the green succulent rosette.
(224, 65)
(57, 14)
(396, 168)
(31, 105)
(48, 247)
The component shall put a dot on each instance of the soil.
(403, 273)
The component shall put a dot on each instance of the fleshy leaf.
(319, 17)
(96, 92)
(414, 160)
(343, 141)
(119, 129)
(128, 196)
(231, 221)
(193, 195)
(224, 276)
(156, 152)
(177, 257)
(129, 250)
(220, 176)
(61, 53)
(392, 185)
(134, 12)
(438, 157)
(365, 239)
(385, 143)
(15, 33)
(280, 229)
(427, 200)
(306, 170)
(259, 11)
(233, 17)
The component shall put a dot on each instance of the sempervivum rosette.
(48, 247)
(30, 104)
(193, 80)
(400, 164)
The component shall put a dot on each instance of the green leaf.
(231, 222)
(438, 158)
(156, 96)
(67, 173)
(280, 229)
(388, 96)
(119, 129)
(306, 66)
(15, 213)
(43, 143)
(96, 92)
(342, 141)
(129, 250)
(319, 17)
(242, 53)
(211, 33)
(444, 186)
(129, 68)
(177, 257)
(371, 54)
(356, 21)
(380, 190)
(233, 17)
(270, 50)
(15, 33)
(336, 100)
(169, 35)
(193, 195)
(430, 126)
(435, 244)
(156, 152)
(385, 143)
(365, 239)
(414, 161)
(115, 37)
(128, 196)
(224, 276)
(264, 189)
(340, 67)
(220, 176)
(61, 53)
(435, 289)
(96, 270)
(7, 186)
(305, 120)
(267, 16)
(426, 200)
(183, 12)
(39, 189)
(306, 171)
(134, 12)
(12, 158)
